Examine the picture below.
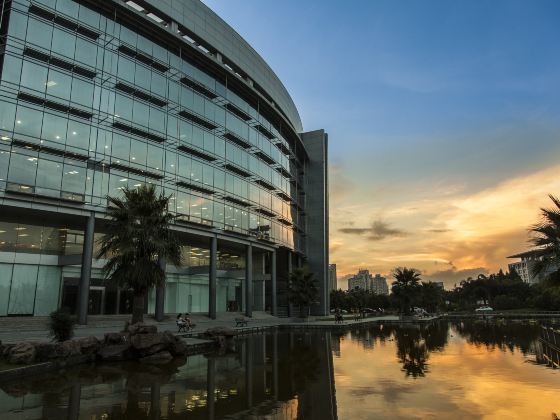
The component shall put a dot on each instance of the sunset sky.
(443, 120)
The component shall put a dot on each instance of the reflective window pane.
(28, 122)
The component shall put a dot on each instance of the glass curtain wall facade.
(90, 104)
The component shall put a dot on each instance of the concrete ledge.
(36, 369)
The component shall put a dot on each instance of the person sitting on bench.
(338, 319)
(182, 323)
(240, 322)
(189, 323)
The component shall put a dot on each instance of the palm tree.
(546, 237)
(138, 237)
(405, 286)
(303, 290)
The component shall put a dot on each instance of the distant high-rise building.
(360, 280)
(333, 284)
(524, 268)
(379, 285)
(365, 281)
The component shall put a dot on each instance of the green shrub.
(506, 302)
(548, 299)
(61, 325)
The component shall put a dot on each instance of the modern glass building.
(98, 95)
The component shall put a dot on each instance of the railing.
(505, 314)
(550, 335)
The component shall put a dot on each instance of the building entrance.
(104, 299)
(96, 300)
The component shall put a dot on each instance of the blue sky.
(428, 104)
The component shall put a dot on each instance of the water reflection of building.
(278, 375)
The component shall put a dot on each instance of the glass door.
(96, 300)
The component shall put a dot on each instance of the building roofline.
(530, 253)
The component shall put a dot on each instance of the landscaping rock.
(22, 353)
(177, 347)
(114, 353)
(70, 348)
(140, 328)
(88, 345)
(47, 351)
(220, 331)
(161, 357)
(6, 350)
(147, 344)
(116, 338)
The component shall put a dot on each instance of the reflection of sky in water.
(466, 379)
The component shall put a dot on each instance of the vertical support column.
(249, 281)
(274, 303)
(290, 262)
(87, 255)
(118, 302)
(160, 294)
(212, 277)
(290, 270)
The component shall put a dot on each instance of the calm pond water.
(442, 370)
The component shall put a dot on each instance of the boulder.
(115, 338)
(6, 350)
(114, 352)
(140, 328)
(147, 344)
(177, 347)
(220, 331)
(70, 348)
(48, 351)
(22, 353)
(161, 357)
(88, 345)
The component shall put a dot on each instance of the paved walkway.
(14, 329)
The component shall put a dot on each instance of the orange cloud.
(472, 230)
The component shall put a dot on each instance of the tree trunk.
(138, 308)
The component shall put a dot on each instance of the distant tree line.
(407, 291)
(501, 291)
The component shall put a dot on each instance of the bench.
(240, 322)
(184, 326)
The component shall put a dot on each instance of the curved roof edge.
(206, 24)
